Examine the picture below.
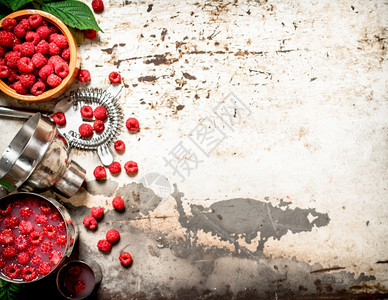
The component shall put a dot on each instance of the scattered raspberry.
(132, 124)
(90, 34)
(35, 237)
(28, 273)
(21, 243)
(6, 38)
(41, 219)
(8, 24)
(59, 118)
(11, 221)
(23, 258)
(118, 203)
(27, 49)
(12, 271)
(115, 77)
(85, 130)
(90, 222)
(19, 31)
(66, 53)
(60, 40)
(79, 286)
(62, 69)
(61, 240)
(27, 80)
(119, 146)
(35, 20)
(32, 37)
(74, 271)
(25, 227)
(87, 112)
(9, 252)
(125, 258)
(44, 268)
(42, 47)
(84, 75)
(99, 172)
(114, 167)
(12, 58)
(98, 6)
(55, 257)
(98, 126)
(25, 65)
(36, 260)
(39, 60)
(100, 113)
(46, 71)
(112, 236)
(19, 88)
(50, 231)
(6, 237)
(131, 167)
(97, 212)
(104, 245)
(46, 246)
(54, 80)
(5, 209)
(43, 32)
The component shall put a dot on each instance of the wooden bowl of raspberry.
(38, 56)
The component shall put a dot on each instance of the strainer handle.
(16, 112)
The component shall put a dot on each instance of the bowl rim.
(73, 62)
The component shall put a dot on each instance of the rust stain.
(180, 107)
(148, 78)
(188, 76)
(327, 270)
(163, 34)
(110, 50)
(162, 59)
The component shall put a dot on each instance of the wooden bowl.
(73, 63)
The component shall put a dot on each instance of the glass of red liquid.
(78, 279)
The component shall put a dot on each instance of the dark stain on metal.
(180, 107)
(149, 78)
(327, 270)
(188, 76)
(149, 7)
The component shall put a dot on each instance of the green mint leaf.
(17, 4)
(73, 13)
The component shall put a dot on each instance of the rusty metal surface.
(262, 151)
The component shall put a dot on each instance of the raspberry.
(125, 258)
(97, 212)
(118, 203)
(2, 52)
(100, 113)
(6, 237)
(44, 268)
(25, 65)
(11, 221)
(90, 222)
(19, 31)
(6, 38)
(85, 130)
(5, 209)
(27, 49)
(60, 40)
(98, 126)
(50, 231)
(35, 237)
(12, 271)
(114, 77)
(9, 252)
(55, 257)
(32, 37)
(79, 286)
(54, 216)
(27, 80)
(61, 226)
(28, 273)
(25, 227)
(41, 219)
(104, 245)
(43, 32)
(53, 29)
(54, 60)
(26, 212)
(119, 146)
(39, 60)
(54, 80)
(38, 88)
(99, 172)
(32, 250)
(84, 75)
(132, 124)
(15, 42)
(8, 24)
(54, 49)
(97, 5)
(35, 20)
(112, 236)
(19, 88)
(42, 47)
(66, 53)
(21, 243)
(59, 118)
(46, 247)
(12, 59)
(62, 69)
(90, 34)
(87, 112)
(23, 258)
(24, 22)
(61, 240)
(114, 167)
(131, 167)
(46, 71)
(36, 260)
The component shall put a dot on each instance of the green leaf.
(73, 13)
(17, 4)
(5, 3)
